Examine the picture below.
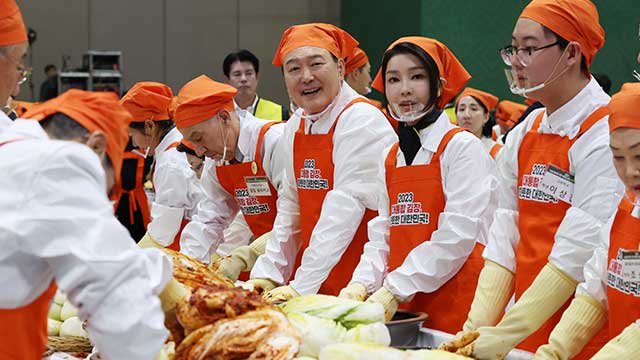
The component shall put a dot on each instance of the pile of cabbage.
(63, 318)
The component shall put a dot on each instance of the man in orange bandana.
(358, 72)
(559, 184)
(13, 51)
(59, 226)
(331, 147)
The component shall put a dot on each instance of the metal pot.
(404, 328)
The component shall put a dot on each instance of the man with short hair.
(13, 52)
(242, 71)
(357, 72)
(49, 87)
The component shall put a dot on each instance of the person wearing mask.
(473, 110)
(242, 71)
(242, 172)
(13, 52)
(437, 185)
(59, 231)
(507, 115)
(176, 188)
(610, 292)
(559, 184)
(330, 147)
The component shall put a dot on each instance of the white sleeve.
(372, 268)
(595, 270)
(504, 235)
(202, 235)
(236, 235)
(359, 138)
(596, 195)
(284, 243)
(112, 282)
(470, 184)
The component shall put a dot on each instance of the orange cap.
(326, 36)
(356, 60)
(508, 112)
(489, 101)
(200, 99)
(624, 108)
(172, 106)
(12, 29)
(573, 20)
(148, 101)
(95, 111)
(450, 68)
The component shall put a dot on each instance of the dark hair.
(487, 128)
(604, 81)
(184, 149)
(163, 125)
(242, 56)
(562, 44)
(427, 61)
(49, 67)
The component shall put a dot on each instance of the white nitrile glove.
(355, 291)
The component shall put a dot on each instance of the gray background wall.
(170, 41)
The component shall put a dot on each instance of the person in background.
(330, 147)
(196, 162)
(474, 112)
(177, 190)
(507, 115)
(49, 87)
(358, 72)
(13, 52)
(604, 81)
(58, 229)
(242, 71)
(559, 185)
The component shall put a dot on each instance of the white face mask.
(512, 78)
(416, 112)
(223, 160)
(368, 90)
(313, 117)
(140, 153)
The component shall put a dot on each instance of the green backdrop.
(475, 29)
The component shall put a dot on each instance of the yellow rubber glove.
(355, 291)
(387, 300)
(624, 346)
(579, 323)
(548, 292)
(261, 286)
(172, 294)
(148, 242)
(215, 258)
(241, 259)
(281, 293)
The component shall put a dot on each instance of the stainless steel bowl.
(404, 328)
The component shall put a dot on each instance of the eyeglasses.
(524, 55)
(24, 71)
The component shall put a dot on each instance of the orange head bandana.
(188, 144)
(356, 60)
(573, 20)
(148, 101)
(488, 101)
(95, 111)
(624, 108)
(12, 29)
(508, 112)
(200, 99)
(451, 70)
(330, 37)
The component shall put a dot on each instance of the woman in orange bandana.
(177, 190)
(437, 193)
(507, 114)
(473, 111)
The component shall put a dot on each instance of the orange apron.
(495, 149)
(416, 201)
(541, 215)
(623, 296)
(313, 166)
(137, 196)
(258, 211)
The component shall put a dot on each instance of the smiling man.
(331, 147)
(13, 52)
(559, 183)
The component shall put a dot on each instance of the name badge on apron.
(557, 183)
(257, 185)
(630, 261)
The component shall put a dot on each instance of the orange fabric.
(326, 36)
(188, 144)
(449, 66)
(200, 99)
(624, 298)
(494, 136)
(495, 149)
(489, 101)
(529, 101)
(416, 200)
(313, 166)
(540, 217)
(12, 29)
(23, 334)
(21, 107)
(624, 108)
(573, 20)
(148, 101)
(137, 196)
(508, 112)
(95, 111)
(356, 60)
(259, 211)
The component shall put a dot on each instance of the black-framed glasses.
(524, 55)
